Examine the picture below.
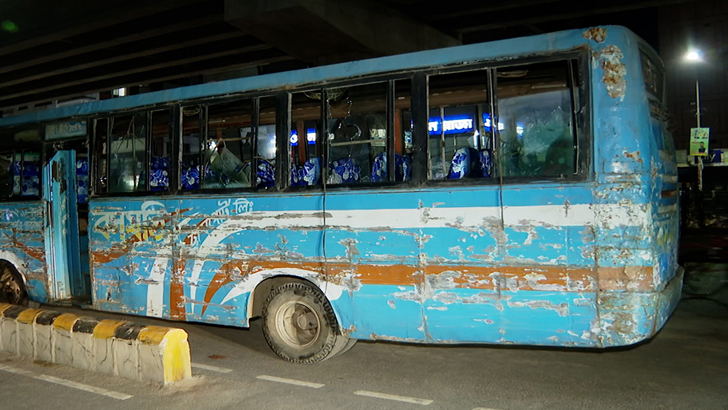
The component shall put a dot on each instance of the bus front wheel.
(299, 324)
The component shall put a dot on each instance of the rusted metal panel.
(22, 244)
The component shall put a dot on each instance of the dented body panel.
(22, 243)
(580, 263)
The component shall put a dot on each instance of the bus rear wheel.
(299, 324)
(12, 289)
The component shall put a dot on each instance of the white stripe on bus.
(155, 289)
(437, 217)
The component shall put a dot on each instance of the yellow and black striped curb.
(145, 353)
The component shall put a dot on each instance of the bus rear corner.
(630, 317)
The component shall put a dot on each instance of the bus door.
(64, 242)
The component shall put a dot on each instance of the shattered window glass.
(536, 121)
(128, 153)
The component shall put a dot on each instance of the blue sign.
(453, 124)
(310, 137)
(501, 126)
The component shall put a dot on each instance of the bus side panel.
(373, 251)
(22, 243)
(461, 256)
(130, 245)
(221, 252)
(550, 290)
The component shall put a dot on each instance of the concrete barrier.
(145, 353)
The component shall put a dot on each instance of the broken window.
(128, 153)
(536, 121)
(100, 154)
(239, 149)
(357, 135)
(228, 145)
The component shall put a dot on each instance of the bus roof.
(502, 49)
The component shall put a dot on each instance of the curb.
(131, 350)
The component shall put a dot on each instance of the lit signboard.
(310, 137)
(453, 124)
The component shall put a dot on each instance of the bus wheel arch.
(13, 285)
(299, 322)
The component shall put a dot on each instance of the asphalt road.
(684, 367)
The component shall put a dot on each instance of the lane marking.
(211, 368)
(290, 381)
(413, 400)
(67, 383)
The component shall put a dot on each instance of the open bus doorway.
(65, 191)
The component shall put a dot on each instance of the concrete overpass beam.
(329, 31)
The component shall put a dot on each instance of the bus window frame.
(583, 129)
(390, 81)
(419, 103)
(93, 170)
(254, 126)
(15, 147)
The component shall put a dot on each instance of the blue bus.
(515, 192)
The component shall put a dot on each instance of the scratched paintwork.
(22, 244)
(590, 263)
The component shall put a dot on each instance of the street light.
(696, 56)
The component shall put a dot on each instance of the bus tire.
(299, 324)
(343, 344)
(12, 288)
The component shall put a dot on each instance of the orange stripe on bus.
(557, 278)
(177, 309)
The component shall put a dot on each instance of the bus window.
(191, 144)
(266, 143)
(357, 133)
(127, 153)
(26, 174)
(402, 131)
(100, 133)
(305, 143)
(537, 132)
(19, 174)
(7, 178)
(20, 169)
(161, 151)
(460, 130)
(228, 145)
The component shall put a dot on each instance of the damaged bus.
(514, 192)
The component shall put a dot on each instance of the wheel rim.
(10, 288)
(298, 323)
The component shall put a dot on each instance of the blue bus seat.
(344, 171)
(159, 173)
